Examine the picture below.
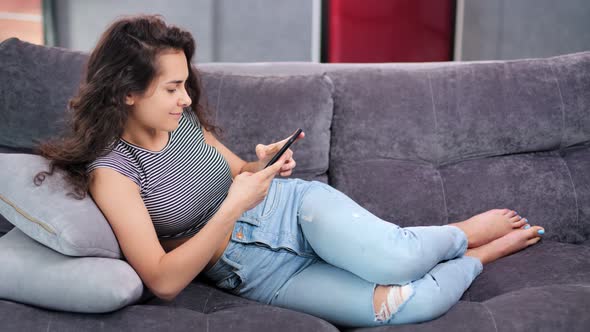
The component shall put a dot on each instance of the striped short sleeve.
(192, 117)
(117, 162)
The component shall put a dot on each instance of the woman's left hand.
(266, 152)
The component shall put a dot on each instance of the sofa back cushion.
(38, 81)
(433, 145)
(263, 109)
(36, 84)
(416, 144)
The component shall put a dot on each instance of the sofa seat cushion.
(21, 317)
(203, 297)
(544, 308)
(543, 264)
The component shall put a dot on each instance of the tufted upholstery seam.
(218, 98)
(436, 159)
(569, 173)
(491, 315)
(561, 141)
(207, 300)
(442, 186)
(328, 172)
(562, 105)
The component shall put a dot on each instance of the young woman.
(180, 203)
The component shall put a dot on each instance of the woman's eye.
(172, 91)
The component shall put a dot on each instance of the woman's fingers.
(289, 165)
(286, 171)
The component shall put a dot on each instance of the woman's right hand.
(249, 189)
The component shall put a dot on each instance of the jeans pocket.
(271, 201)
(230, 283)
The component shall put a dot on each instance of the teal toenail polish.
(526, 220)
(541, 231)
(527, 226)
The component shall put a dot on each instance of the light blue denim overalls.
(310, 248)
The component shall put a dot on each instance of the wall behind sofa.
(513, 29)
(225, 30)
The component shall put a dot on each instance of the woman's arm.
(238, 165)
(165, 274)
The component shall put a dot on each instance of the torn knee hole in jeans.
(306, 217)
(396, 296)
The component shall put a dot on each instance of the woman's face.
(161, 106)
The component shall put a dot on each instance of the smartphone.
(284, 148)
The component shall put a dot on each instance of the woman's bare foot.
(508, 244)
(490, 225)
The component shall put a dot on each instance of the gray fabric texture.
(466, 138)
(36, 85)
(35, 274)
(253, 109)
(416, 144)
(45, 213)
(546, 264)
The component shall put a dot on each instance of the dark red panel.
(390, 30)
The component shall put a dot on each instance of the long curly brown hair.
(124, 61)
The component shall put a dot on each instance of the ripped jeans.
(310, 248)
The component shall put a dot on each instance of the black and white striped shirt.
(182, 185)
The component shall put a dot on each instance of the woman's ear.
(129, 100)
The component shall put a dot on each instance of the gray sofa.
(416, 144)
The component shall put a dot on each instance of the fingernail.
(541, 231)
(527, 226)
(526, 220)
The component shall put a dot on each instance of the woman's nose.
(186, 100)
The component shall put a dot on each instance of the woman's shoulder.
(120, 159)
(116, 153)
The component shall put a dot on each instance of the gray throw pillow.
(34, 274)
(46, 214)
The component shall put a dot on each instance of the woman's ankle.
(481, 254)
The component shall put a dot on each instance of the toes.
(519, 223)
(534, 231)
(509, 213)
(495, 211)
(515, 218)
(533, 241)
(504, 211)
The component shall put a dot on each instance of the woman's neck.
(149, 139)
